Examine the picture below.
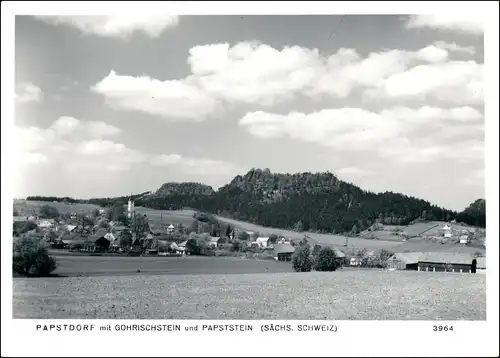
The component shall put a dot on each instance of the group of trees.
(31, 258)
(320, 259)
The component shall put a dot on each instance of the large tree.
(49, 212)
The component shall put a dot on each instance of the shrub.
(192, 247)
(325, 260)
(301, 260)
(49, 212)
(243, 236)
(273, 238)
(316, 250)
(236, 246)
(220, 253)
(30, 257)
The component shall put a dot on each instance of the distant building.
(130, 208)
(170, 229)
(355, 261)
(464, 239)
(404, 261)
(447, 261)
(262, 241)
(20, 219)
(45, 223)
(447, 231)
(282, 252)
(216, 242)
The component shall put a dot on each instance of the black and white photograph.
(326, 167)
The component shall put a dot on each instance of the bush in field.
(243, 236)
(193, 247)
(316, 250)
(30, 257)
(236, 246)
(301, 259)
(325, 260)
(49, 212)
(273, 238)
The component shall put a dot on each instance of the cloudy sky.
(110, 105)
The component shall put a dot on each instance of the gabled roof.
(447, 258)
(182, 244)
(407, 257)
(110, 237)
(70, 227)
(283, 249)
(338, 253)
(171, 226)
(101, 233)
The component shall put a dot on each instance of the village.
(136, 235)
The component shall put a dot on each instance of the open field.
(166, 217)
(341, 295)
(192, 265)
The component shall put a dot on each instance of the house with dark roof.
(281, 252)
(404, 261)
(216, 241)
(447, 261)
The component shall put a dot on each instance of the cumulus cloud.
(452, 46)
(455, 82)
(28, 92)
(120, 26)
(387, 132)
(468, 23)
(258, 74)
(68, 137)
(183, 99)
(74, 145)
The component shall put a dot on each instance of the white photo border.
(353, 338)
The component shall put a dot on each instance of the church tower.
(131, 208)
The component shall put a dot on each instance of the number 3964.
(442, 328)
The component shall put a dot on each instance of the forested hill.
(475, 213)
(304, 201)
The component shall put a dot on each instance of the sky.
(111, 105)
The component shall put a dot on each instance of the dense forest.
(318, 202)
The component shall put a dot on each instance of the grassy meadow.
(70, 265)
(341, 295)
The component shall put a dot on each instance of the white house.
(46, 223)
(170, 229)
(447, 231)
(262, 241)
(102, 211)
(464, 239)
(111, 238)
